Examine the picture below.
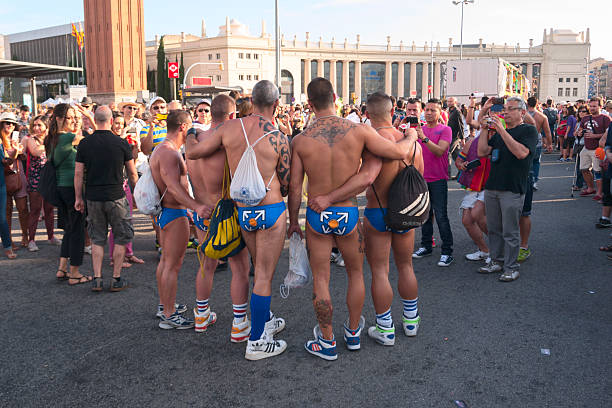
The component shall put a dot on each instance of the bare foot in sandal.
(77, 280)
(134, 259)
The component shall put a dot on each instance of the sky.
(496, 21)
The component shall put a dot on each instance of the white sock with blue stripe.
(239, 312)
(410, 308)
(202, 306)
(384, 319)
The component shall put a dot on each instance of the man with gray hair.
(103, 156)
(511, 146)
(263, 225)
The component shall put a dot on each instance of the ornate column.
(358, 81)
(320, 67)
(306, 79)
(412, 78)
(425, 82)
(530, 73)
(388, 78)
(436, 81)
(400, 79)
(345, 81)
(332, 74)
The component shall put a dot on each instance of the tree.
(151, 80)
(163, 87)
(181, 77)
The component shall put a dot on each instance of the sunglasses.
(158, 107)
(582, 111)
(131, 107)
(204, 110)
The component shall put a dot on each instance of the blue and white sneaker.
(351, 337)
(326, 349)
(383, 335)
(411, 326)
(180, 308)
(175, 321)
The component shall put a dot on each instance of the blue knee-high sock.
(260, 312)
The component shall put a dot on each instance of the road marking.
(558, 200)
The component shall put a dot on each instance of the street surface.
(480, 340)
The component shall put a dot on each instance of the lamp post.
(277, 45)
(456, 3)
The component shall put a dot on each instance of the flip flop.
(606, 248)
(63, 277)
(79, 279)
(134, 259)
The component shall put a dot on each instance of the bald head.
(103, 117)
(175, 105)
(222, 107)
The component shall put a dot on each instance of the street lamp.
(277, 45)
(456, 3)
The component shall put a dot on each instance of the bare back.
(165, 163)
(330, 150)
(390, 169)
(206, 174)
(539, 119)
(272, 152)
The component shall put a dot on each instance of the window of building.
(567, 92)
(241, 77)
(248, 77)
(248, 55)
(560, 79)
(256, 77)
(575, 92)
(218, 56)
(575, 79)
(255, 56)
(567, 79)
(560, 92)
(218, 77)
(241, 55)
(209, 56)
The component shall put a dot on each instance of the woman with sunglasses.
(578, 146)
(9, 150)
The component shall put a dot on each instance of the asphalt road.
(480, 340)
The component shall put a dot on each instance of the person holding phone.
(592, 128)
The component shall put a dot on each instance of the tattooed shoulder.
(329, 131)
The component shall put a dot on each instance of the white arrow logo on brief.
(325, 215)
(260, 214)
(245, 215)
(343, 216)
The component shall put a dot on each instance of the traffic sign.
(429, 89)
(173, 70)
(413, 93)
(201, 81)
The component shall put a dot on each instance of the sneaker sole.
(167, 326)
(444, 265)
(240, 339)
(118, 289)
(382, 342)
(262, 355)
(422, 256)
(323, 356)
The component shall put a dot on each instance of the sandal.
(79, 280)
(10, 254)
(606, 248)
(134, 259)
(97, 285)
(63, 276)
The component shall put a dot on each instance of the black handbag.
(47, 186)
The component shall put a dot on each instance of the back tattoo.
(329, 131)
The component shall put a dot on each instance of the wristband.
(462, 156)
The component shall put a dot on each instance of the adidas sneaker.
(325, 349)
(352, 337)
(265, 347)
(383, 335)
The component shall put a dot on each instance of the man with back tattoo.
(329, 152)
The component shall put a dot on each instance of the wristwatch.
(425, 140)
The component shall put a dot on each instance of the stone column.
(320, 67)
(400, 79)
(306, 79)
(412, 78)
(388, 81)
(530, 73)
(358, 81)
(345, 81)
(425, 83)
(332, 74)
(436, 81)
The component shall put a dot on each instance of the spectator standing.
(511, 148)
(552, 114)
(60, 146)
(7, 156)
(103, 156)
(544, 131)
(202, 112)
(455, 122)
(435, 139)
(37, 158)
(582, 111)
(570, 123)
(604, 221)
(23, 122)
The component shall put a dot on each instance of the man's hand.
(319, 203)
(203, 211)
(79, 205)
(295, 228)
(497, 123)
(419, 131)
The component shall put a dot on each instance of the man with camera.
(592, 128)
(511, 145)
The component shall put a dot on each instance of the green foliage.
(163, 84)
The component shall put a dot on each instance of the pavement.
(482, 343)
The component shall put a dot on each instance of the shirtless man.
(329, 152)
(263, 226)
(170, 176)
(379, 238)
(206, 176)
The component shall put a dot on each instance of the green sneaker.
(523, 254)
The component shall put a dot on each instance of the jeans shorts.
(116, 213)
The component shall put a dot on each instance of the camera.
(161, 116)
(498, 101)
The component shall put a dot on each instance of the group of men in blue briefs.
(341, 159)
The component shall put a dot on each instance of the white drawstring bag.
(146, 193)
(299, 274)
(247, 185)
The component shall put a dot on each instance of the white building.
(557, 67)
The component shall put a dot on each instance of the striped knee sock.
(240, 311)
(202, 305)
(384, 319)
(410, 308)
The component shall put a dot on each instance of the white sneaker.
(240, 330)
(87, 249)
(491, 267)
(337, 259)
(274, 325)
(477, 256)
(411, 326)
(383, 335)
(265, 347)
(32, 247)
(509, 275)
(55, 241)
(203, 320)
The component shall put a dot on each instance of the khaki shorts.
(101, 214)
(588, 160)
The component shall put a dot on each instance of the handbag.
(47, 185)
(12, 179)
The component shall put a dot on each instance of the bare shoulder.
(330, 130)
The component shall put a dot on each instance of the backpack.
(408, 199)
(146, 193)
(247, 185)
(551, 115)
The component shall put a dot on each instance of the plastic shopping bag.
(146, 193)
(299, 274)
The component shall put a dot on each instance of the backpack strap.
(413, 155)
(253, 145)
(244, 132)
(378, 199)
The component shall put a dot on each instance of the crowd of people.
(322, 151)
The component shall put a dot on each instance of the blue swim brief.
(376, 217)
(200, 223)
(168, 215)
(260, 217)
(333, 220)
